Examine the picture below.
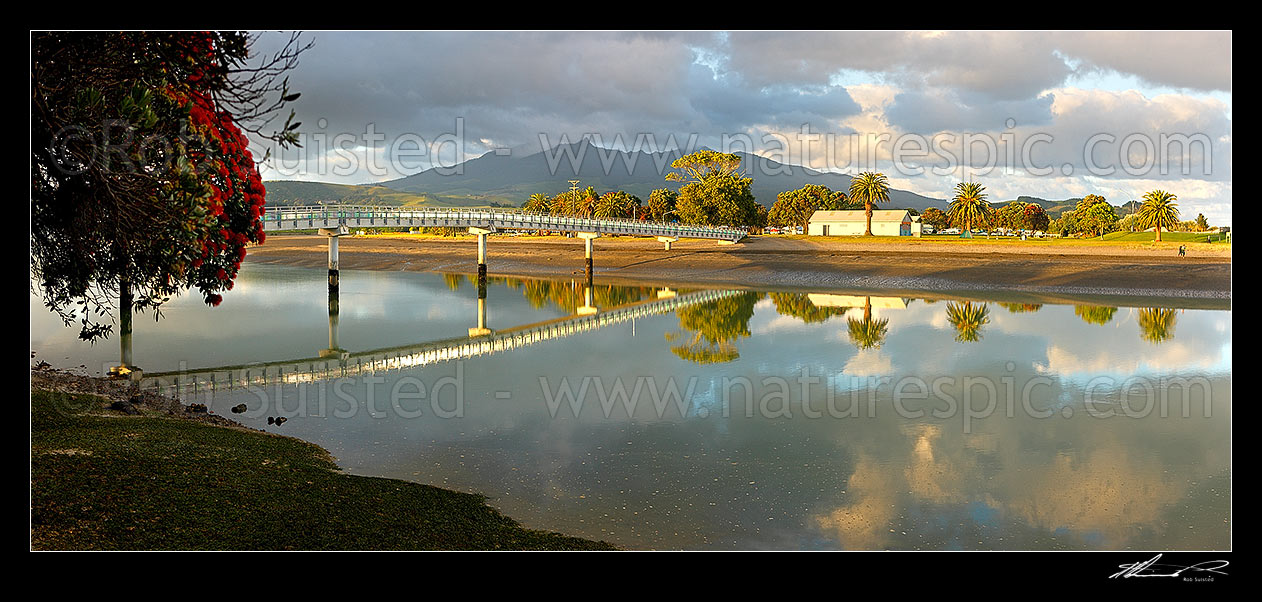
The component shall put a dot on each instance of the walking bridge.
(337, 363)
(338, 220)
(310, 217)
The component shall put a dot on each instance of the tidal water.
(664, 418)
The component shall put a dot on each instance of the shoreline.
(1072, 272)
(102, 430)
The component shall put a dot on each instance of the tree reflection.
(968, 319)
(799, 306)
(1095, 314)
(453, 281)
(1020, 308)
(868, 333)
(712, 329)
(1156, 324)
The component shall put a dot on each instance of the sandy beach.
(1001, 270)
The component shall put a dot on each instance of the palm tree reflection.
(1156, 324)
(968, 319)
(868, 333)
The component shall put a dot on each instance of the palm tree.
(969, 206)
(870, 188)
(868, 333)
(537, 203)
(968, 320)
(1156, 324)
(1159, 211)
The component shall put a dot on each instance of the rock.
(239, 408)
(125, 407)
(197, 408)
(281, 420)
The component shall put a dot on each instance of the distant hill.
(293, 192)
(512, 179)
(1054, 209)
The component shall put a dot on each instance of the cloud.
(505, 89)
(1199, 60)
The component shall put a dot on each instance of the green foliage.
(935, 217)
(1097, 218)
(870, 188)
(141, 179)
(1092, 216)
(715, 327)
(661, 205)
(704, 165)
(1156, 324)
(1202, 224)
(799, 306)
(969, 207)
(538, 203)
(968, 319)
(1158, 211)
(617, 204)
(795, 207)
(1095, 314)
(716, 194)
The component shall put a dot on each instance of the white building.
(885, 222)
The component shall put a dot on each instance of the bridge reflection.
(335, 362)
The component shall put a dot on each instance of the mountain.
(295, 192)
(512, 179)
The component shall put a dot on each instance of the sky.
(1048, 114)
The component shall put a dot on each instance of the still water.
(693, 419)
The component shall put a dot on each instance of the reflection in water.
(1156, 324)
(1020, 308)
(799, 305)
(968, 319)
(870, 476)
(1095, 314)
(868, 333)
(715, 327)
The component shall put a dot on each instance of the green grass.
(105, 481)
(1115, 239)
(1179, 237)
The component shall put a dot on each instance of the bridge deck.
(313, 217)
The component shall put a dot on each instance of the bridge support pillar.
(334, 271)
(588, 237)
(481, 232)
(667, 240)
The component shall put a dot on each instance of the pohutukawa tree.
(141, 177)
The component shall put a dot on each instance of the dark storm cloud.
(506, 89)
(928, 113)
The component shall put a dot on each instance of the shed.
(885, 222)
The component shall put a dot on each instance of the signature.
(1151, 568)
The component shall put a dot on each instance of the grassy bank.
(101, 479)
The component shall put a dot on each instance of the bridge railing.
(513, 219)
